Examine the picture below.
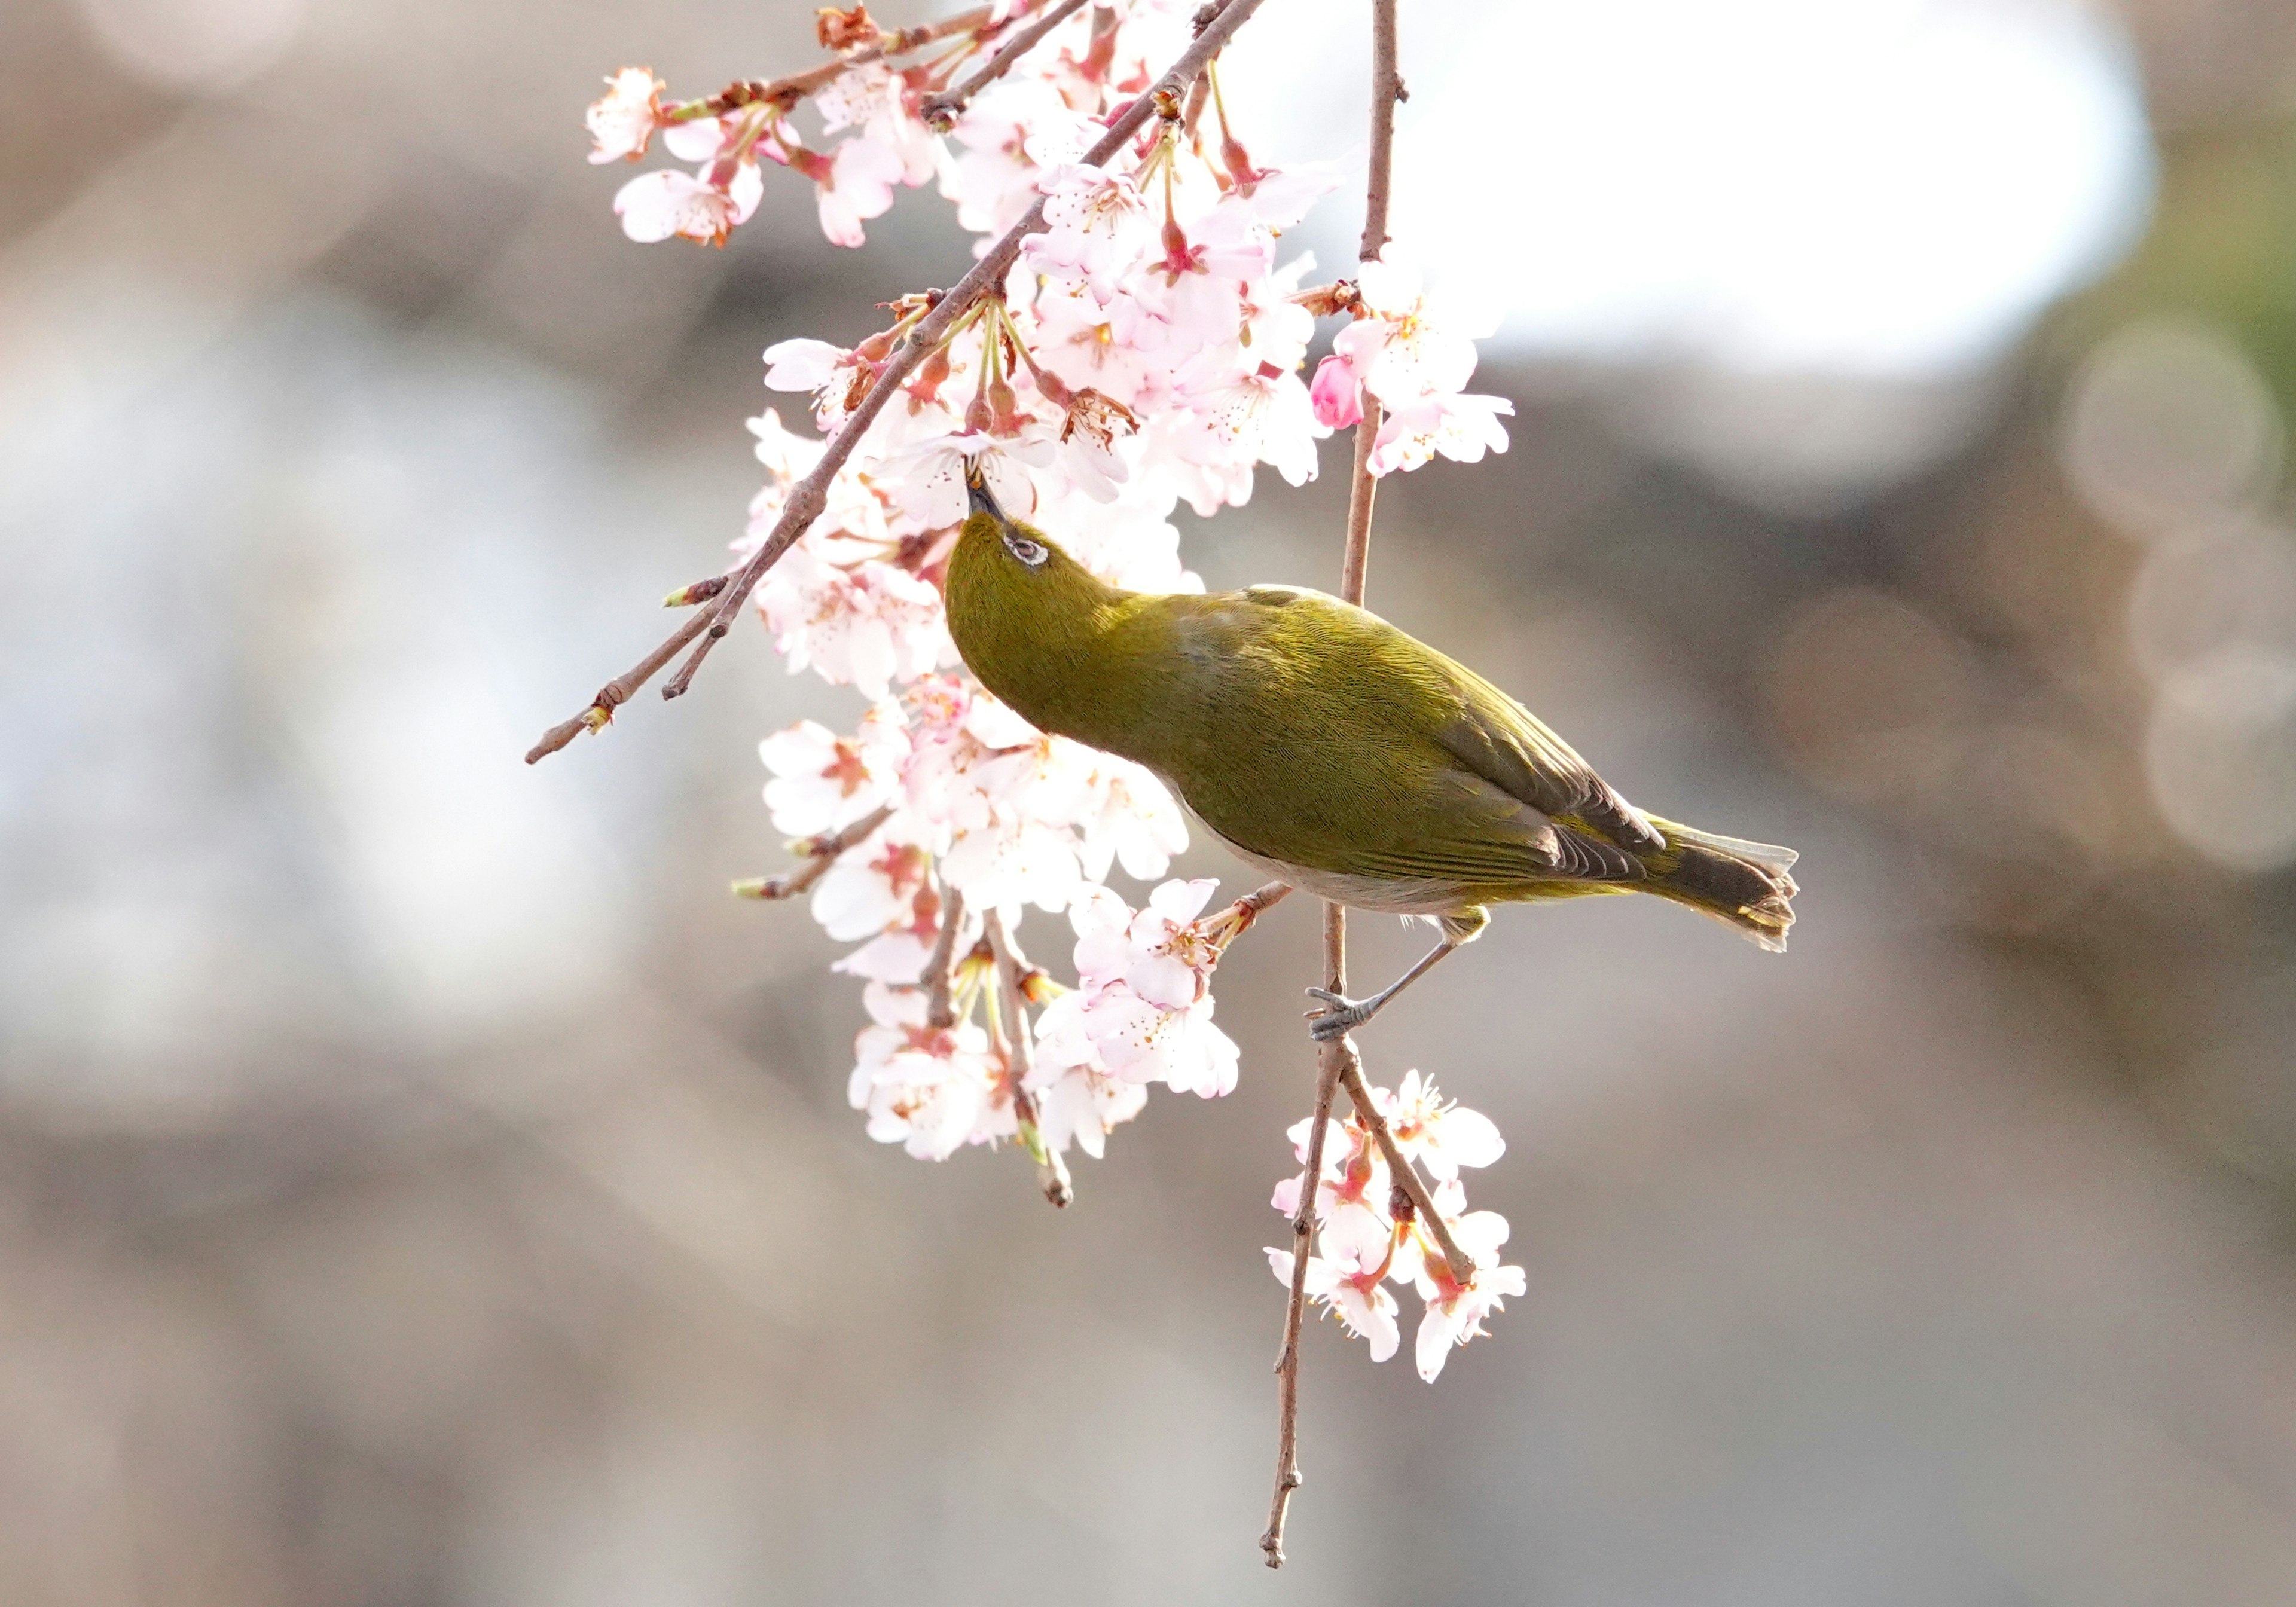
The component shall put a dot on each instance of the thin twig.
(939, 110)
(941, 970)
(820, 853)
(795, 87)
(1012, 971)
(1226, 925)
(810, 494)
(1399, 1168)
(1386, 90)
(1295, 1307)
(1336, 1058)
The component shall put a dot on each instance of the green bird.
(1330, 751)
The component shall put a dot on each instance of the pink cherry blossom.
(1458, 427)
(928, 1089)
(859, 625)
(622, 120)
(1454, 1310)
(832, 372)
(1364, 1305)
(1404, 346)
(824, 781)
(1081, 1106)
(877, 887)
(1096, 228)
(1440, 1136)
(654, 206)
(1146, 1006)
(856, 184)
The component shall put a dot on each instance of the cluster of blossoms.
(1368, 1235)
(1145, 349)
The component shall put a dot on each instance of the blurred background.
(421, 1184)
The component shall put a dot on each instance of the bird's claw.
(1340, 1015)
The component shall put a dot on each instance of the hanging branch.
(788, 91)
(1013, 1025)
(941, 969)
(705, 625)
(1336, 1057)
(820, 853)
(939, 110)
(1224, 926)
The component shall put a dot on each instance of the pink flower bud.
(1337, 396)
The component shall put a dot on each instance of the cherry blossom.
(862, 625)
(925, 1088)
(855, 183)
(1097, 227)
(1456, 1310)
(655, 206)
(622, 120)
(823, 781)
(1440, 1136)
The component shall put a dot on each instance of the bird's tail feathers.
(1748, 885)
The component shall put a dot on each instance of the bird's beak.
(977, 492)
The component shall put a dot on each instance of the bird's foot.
(1339, 1015)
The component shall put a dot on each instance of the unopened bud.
(843, 30)
(701, 591)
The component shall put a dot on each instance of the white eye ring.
(1032, 552)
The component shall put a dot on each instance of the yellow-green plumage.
(1328, 746)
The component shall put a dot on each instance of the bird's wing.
(1456, 784)
(1508, 745)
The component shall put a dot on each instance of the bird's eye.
(1032, 552)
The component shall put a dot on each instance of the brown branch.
(810, 494)
(1339, 1057)
(1386, 90)
(1011, 972)
(701, 591)
(820, 853)
(1399, 1168)
(941, 970)
(939, 110)
(795, 87)
(1224, 926)
(1295, 1307)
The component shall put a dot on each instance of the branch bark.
(820, 853)
(941, 969)
(1400, 1169)
(1019, 1059)
(793, 88)
(1335, 1059)
(939, 110)
(810, 494)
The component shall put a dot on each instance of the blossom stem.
(1012, 969)
(1339, 1057)
(702, 629)
(939, 110)
(941, 969)
(789, 90)
(1406, 1176)
(1295, 1307)
(1226, 925)
(820, 853)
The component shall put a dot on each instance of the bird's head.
(988, 530)
(1018, 605)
